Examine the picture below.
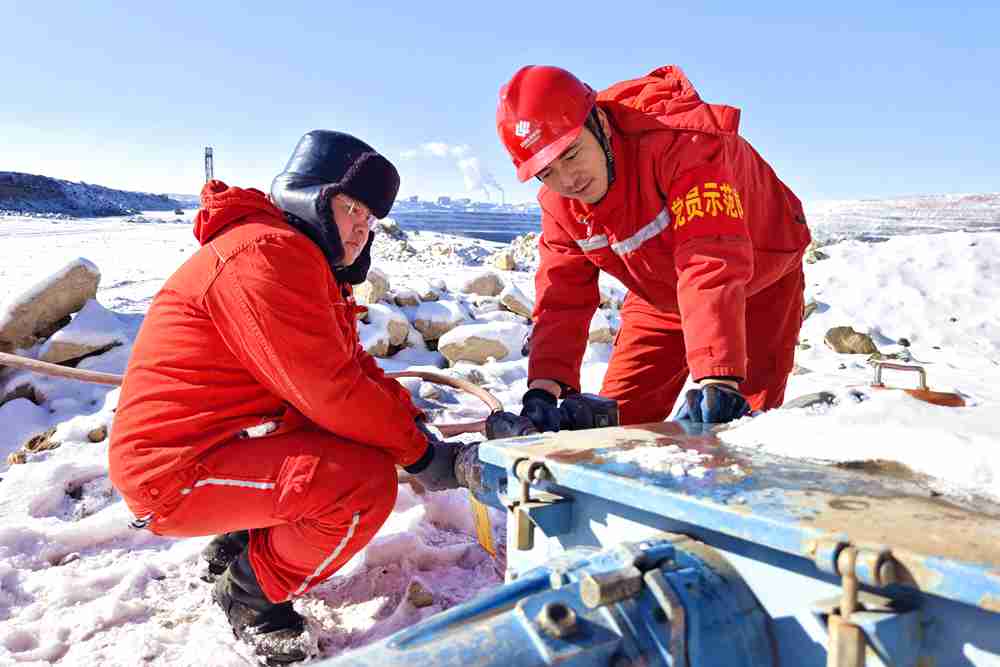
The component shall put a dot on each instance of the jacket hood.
(665, 98)
(222, 205)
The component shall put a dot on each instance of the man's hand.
(539, 406)
(436, 468)
(715, 402)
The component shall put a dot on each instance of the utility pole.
(209, 166)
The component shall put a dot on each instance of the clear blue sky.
(845, 100)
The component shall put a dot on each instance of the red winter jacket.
(694, 223)
(252, 329)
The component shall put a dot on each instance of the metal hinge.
(538, 507)
(874, 567)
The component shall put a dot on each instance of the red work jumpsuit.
(249, 403)
(704, 235)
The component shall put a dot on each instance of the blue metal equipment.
(756, 560)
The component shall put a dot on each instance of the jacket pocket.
(292, 486)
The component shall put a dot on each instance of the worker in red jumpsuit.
(249, 409)
(650, 184)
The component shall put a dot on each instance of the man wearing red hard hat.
(654, 186)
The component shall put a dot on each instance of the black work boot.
(275, 631)
(223, 550)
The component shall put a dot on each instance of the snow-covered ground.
(78, 587)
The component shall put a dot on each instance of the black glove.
(436, 468)
(540, 407)
(713, 404)
(506, 425)
(576, 413)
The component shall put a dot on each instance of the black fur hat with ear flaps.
(326, 163)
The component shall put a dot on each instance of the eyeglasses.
(356, 210)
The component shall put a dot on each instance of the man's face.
(352, 219)
(580, 172)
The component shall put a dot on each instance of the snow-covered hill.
(29, 193)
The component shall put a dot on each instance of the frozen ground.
(78, 587)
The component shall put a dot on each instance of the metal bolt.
(597, 590)
(557, 620)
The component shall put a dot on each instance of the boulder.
(486, 283)
(504, 260)
(93, 330)
(373, 289)
(387, 330)
(515, 301)
(36, 312)
(845, 340)
(477, 343)
(406, 297)
(436, 318)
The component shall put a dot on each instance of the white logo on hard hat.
(522, 128)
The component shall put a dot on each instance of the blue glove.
(713, 404)
(540, 407)
(436, 468)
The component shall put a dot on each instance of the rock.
(406, 297)
(373, 289)
(809, 400)
(474, 349)
(387, 330)
(515, 301)
(814, 254)
(501, 316)
(98, 434)
(845, 340)
(425, 291)
(800, 370)
(809, 309)
(525, 250)
(504, 260)
(477, 343)
(605, 296)
(22, 389)
(486, 304)
(487, 283)
(905, 342)
(437, 318)
(33, 313)
(391, 228)
(470, 374)
(41, 442)
(429, 391)
(17, 457)
(600, 329)
(418, 596)
(94, 330)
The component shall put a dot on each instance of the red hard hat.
(541, 111)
